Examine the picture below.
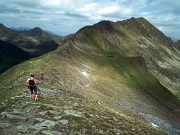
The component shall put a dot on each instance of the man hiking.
(31, 83)
(41, 77)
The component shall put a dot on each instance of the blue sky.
(65, 17)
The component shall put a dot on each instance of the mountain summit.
(36, 30)
(109, 78)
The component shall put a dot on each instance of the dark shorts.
(33, 90)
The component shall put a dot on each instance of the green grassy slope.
(137, 38)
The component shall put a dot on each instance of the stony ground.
(64, 112)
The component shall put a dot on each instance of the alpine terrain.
(35, 42)
(106, 79)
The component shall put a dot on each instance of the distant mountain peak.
(4, 29)
(20, 28)
(36, 29)
(1, 25)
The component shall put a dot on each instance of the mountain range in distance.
(35, 42)
(25, 28)
(20, 28)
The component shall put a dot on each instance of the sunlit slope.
(137, 37)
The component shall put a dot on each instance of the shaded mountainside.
(109, 78)
(29, 40)
(11, 55)
(35, 41)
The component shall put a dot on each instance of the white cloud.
(87, 8)
(53, 2)
(108, 10)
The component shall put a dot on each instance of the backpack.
(31, 83)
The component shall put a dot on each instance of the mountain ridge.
(108, 68)
(148, 47)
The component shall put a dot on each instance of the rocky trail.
(63, 112)
(25, 116)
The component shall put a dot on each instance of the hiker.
(41, 77)
(31, 83)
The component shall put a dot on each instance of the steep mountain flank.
(106, 79)
(29, 40)
(35, 41)
(4, 31)
(137, 37)
(11, 55)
